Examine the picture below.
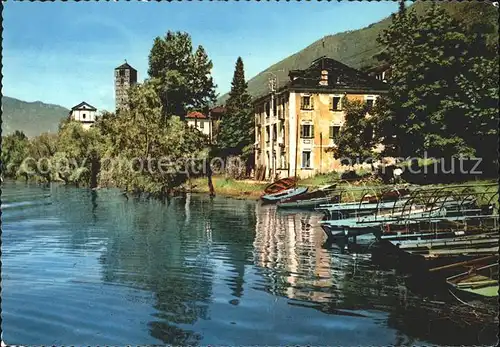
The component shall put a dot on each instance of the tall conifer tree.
(236, 134)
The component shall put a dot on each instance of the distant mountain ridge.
(33, 118)
(358, 48)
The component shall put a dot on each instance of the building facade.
(199, 121)
(83, 113)
(296, 126)
(125, 77)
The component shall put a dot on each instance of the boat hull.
(274, 198)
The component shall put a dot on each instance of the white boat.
(285, 194)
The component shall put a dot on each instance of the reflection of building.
(125, 77)
(291, 248)
(83, 113)
(296, 125)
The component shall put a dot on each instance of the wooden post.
(209, 174)
(320, 151)
(297, 132)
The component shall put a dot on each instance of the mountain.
(358, 48)
(33, 118)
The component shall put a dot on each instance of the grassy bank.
(244, 189)
(249, 189)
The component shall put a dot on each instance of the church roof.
(82, 105)
(125, 66)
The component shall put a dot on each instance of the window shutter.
(311, 102)
(302, 102)
(301, 131)
(312, 131)
(331, 104)
(331, 132)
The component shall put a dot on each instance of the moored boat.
(285, 194)
(280, 185)
(478, 282)
(322, 195)
(356, 226)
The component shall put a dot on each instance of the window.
(83, 115)
(335, 103)
(306, 159)
(283, 160)
(275, 132)
(307, 131)
(122, 73)
(307, 103)
(267, 133)
(334, 132)
(268, 109)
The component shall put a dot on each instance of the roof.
(341, 78)
(81, 105)
(218, 109)
(196, 115)
(125, 66)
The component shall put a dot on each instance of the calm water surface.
(93, 268)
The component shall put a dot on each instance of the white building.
(83, 113)
(199, 121)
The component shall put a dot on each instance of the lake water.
(93, 268)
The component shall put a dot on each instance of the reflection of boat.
(322, 195)
(285, 194)
(280, 185)
(482, 281)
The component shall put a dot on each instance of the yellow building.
(296, 125)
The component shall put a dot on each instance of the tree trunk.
(209, 177)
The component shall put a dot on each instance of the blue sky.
(64, 53)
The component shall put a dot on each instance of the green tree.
(14, 151)
(78, 154)
(182, 78)
(38, 164)
(151, 154)
(356, 139)
(432, 60)
(236, 133)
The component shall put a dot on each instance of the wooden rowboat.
(322, 195)
(481, 281)
(280, 185)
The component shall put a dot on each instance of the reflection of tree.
(151, 247)
(161, 249)
(234, 228)
(450, 323)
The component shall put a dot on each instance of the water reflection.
(101, 269)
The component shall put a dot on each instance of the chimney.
(324, 78)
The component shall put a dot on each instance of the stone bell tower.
(125, 77)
